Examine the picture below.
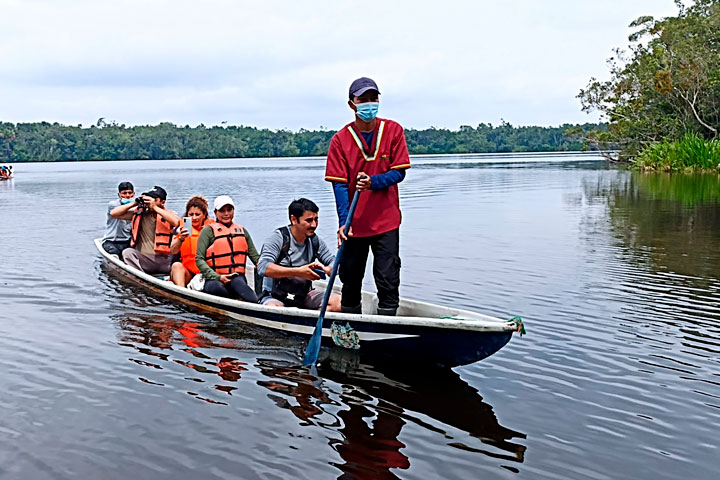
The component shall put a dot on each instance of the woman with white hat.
(222, 251)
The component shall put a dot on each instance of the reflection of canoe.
(421, 331)
(437, 393)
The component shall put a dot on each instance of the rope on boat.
(344, 336)
(519, 327)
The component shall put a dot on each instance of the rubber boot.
(356, 309)
(390, 312)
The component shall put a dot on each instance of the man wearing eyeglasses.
(369, 155)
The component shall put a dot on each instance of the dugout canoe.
(421, 332)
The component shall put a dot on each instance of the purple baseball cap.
(362, 85)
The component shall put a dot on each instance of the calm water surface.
(616, 275)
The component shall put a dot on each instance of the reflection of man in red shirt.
(369, 155)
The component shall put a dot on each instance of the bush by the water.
(690, 153)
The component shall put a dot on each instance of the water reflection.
(367, 406)
(288, 380)
(670, 221)
(375, 402)
(437, 393)
(663, 269)
(688, 189)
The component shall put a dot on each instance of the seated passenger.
(185, 243)
(117, 230)
(151, 232)
(288, 258)
(222, 251)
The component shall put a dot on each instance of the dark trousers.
(386, 268)
(236, 288)
(115, 248)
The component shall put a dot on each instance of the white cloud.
(287, 64)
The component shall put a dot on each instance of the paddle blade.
(313, 349)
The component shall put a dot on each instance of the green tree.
(667, 85)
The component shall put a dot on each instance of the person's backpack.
(285, 232)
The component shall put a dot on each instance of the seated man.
(288, 257)
(117, 230)
(151, 232)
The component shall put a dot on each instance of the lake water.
(616, 274)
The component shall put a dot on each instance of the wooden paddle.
(313, 349)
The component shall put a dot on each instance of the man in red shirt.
(369, 155)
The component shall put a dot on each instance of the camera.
(142, 204)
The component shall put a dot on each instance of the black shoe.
(357, 309)
(390, 312)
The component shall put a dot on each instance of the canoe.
(8, 177)
(421, 332)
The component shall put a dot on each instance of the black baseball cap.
(125, 186)
(362, 85)
(157, 192)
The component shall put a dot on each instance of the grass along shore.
(691, 153)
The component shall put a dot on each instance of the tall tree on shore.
(666, 85)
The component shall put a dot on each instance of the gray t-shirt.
(298, 254)
(116, 230)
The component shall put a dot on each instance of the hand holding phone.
(320, 272)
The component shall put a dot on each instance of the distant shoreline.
(491, 157)
(45, 142)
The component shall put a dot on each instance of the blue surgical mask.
(125, 201)
(367, 111)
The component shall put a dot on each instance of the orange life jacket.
(188, 249)
(228, 252)
(163, 233)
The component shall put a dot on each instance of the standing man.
(369, 155)
(151, 232)
(117, 230)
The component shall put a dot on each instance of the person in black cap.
(150, 233)
(117, 230)
(369, 155)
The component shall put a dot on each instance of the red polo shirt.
(377, 211)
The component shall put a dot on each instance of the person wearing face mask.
(223, 248)
(117, 229)
(369, 155)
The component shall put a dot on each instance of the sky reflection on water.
(615, 274)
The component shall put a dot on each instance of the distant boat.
(421, 332)
(6, 172)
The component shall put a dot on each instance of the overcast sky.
(288, 64)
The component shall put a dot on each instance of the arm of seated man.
(168, 215)
(268, 267)
(124, 212)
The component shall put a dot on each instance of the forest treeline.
(49, 142)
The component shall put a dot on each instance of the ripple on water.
(618, 375)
